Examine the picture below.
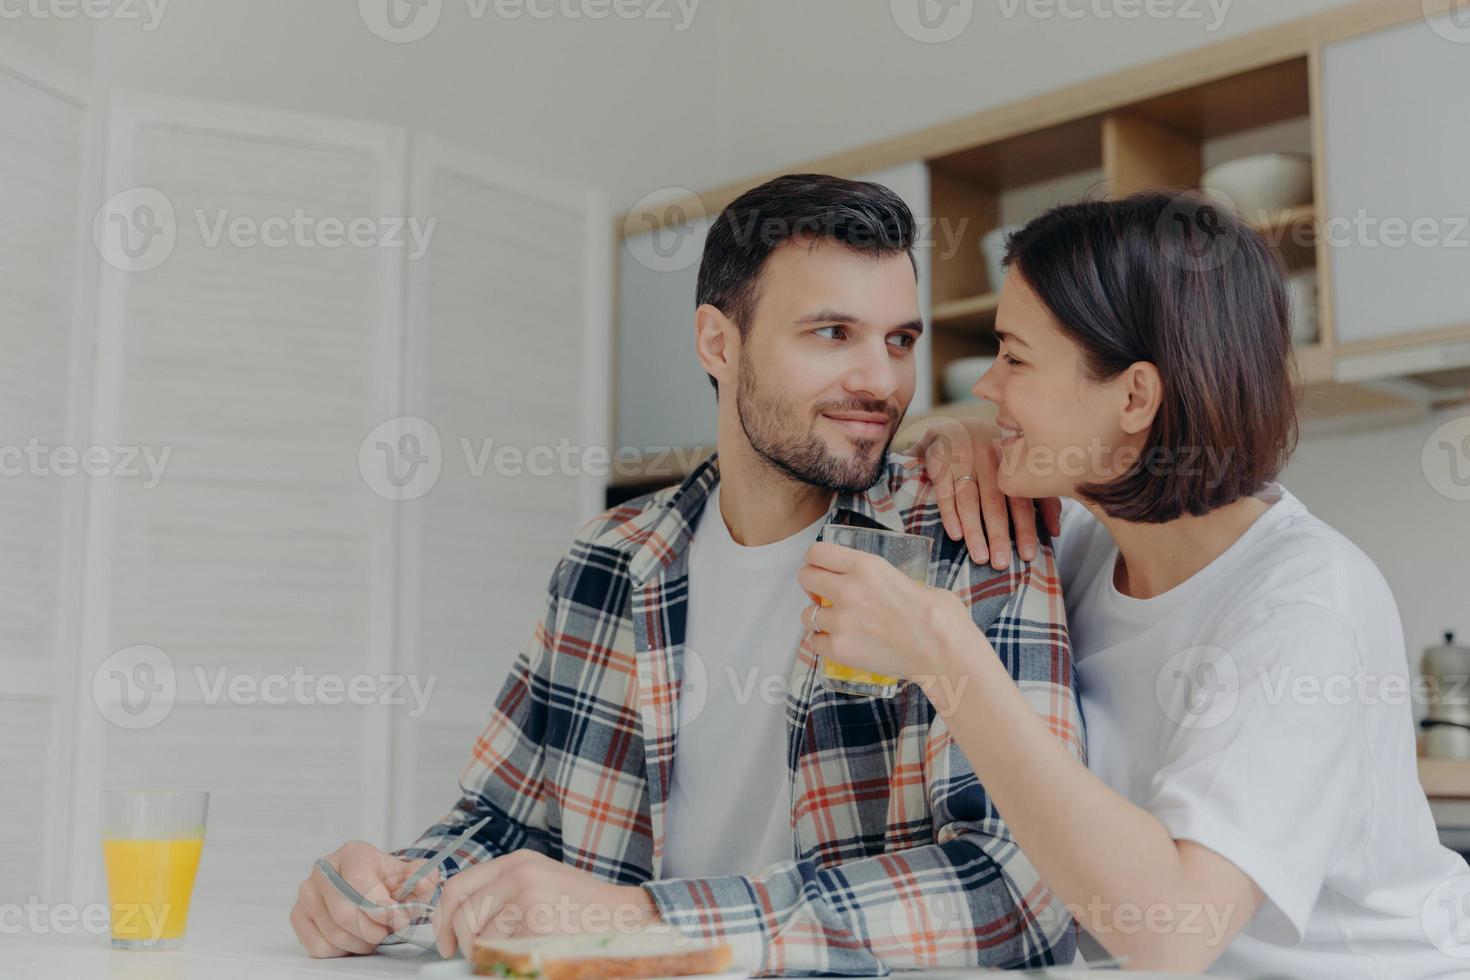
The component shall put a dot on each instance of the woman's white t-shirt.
(1262, 709)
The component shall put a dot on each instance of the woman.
(1251, 803)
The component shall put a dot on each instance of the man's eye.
(906, 340)
(838, 327)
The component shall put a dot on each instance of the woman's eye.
(1011, 360)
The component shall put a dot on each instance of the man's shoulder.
(625, 528)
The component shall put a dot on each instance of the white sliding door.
(243, 336)
(508, 322)
(45, 286)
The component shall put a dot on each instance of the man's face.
(826, 368)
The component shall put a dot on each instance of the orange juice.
(851, 675)
(149, 881)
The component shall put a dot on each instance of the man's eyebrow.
(1009, 338)
(837, 316)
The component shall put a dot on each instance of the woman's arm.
(1163, 904)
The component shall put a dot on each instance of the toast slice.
(647, 953)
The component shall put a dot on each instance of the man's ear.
(717, 340)
(1143, 390)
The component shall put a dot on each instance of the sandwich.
(655, 952)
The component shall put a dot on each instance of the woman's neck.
(1160, 557)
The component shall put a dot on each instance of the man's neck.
(759, 503)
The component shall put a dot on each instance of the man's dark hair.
(1182, 283)
(859, 215)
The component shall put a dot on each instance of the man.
(631, 770)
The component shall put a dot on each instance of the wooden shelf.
(975, 314)
(1223, 106)
(1028, 158)
(1445, 779)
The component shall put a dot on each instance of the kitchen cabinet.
(1397, 209)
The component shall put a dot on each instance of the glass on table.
(151, 844)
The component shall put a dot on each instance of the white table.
(249, 942)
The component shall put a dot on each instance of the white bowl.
(1302, 286)
(994, 247)
(1267, 182)
(960, 376)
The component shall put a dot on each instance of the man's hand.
(526, 892)
(975, 510)
(327, 924)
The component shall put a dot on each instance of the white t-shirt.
(1262, 709)
(729, 809)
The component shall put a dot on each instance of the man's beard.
(771, 426)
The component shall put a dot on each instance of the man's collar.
(668, 535)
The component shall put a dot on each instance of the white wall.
(633, 105)
(1372, 487)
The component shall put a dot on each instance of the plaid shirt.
(898, 858)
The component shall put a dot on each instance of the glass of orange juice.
(151, 844)
(909, 553)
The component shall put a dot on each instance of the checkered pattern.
(898, 858)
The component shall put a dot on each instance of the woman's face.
(1060, 429)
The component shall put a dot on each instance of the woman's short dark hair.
(859, 215)
(1175, 280)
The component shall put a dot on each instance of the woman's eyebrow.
(1010, 338)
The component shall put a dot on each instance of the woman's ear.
(1143, 387)
(717, 341)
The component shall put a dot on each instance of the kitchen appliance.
(1446, 670)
